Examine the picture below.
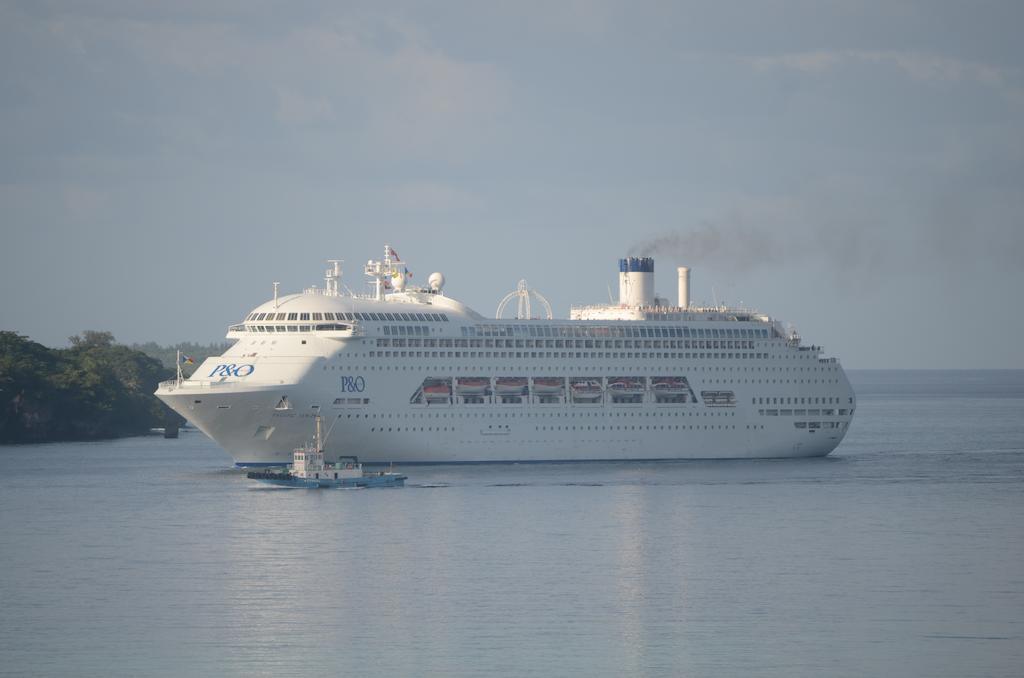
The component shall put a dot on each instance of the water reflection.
(151, 559)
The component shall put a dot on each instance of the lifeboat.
(669, 385)
(473, 386)
(510, 386)
(626, 385)
(587, 390)
(436, 392)
(548, 386)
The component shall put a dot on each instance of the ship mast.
(383, 272)
(332, 276)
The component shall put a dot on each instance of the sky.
(853, 168)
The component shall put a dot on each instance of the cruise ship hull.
(413, 376)
(248, 423)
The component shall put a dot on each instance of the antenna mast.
(332, 276)
(319, 434)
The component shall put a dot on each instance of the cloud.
(806, 62)
(920, 66)
(298, 109)
(377, 76)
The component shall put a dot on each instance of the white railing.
(353, 326)
(756, 315)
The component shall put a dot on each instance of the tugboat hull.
(289, 480)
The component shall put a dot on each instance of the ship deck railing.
(342, 328)
(174, 384)
(692, 312)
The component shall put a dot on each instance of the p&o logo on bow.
(232, 370)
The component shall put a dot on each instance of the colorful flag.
(408, 273)
(187, 360)
(393, 253)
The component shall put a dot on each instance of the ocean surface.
(902, 554)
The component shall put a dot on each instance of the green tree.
(94, 389)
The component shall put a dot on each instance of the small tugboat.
(309, 470)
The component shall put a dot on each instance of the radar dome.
(436, 281)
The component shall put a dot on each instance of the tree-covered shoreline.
(92, 390)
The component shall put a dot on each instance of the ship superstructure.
(407, 374)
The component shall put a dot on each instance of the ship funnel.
(636, 281)
(684, 287)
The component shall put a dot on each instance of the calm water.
(903, 554)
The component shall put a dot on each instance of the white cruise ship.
(409, 375)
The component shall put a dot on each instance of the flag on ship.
(408, 273)
(393, 253)
(187, 360)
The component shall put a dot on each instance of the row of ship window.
(327, 327)
(536, 415)
(801, 413)
(564, 354)
(697, 427)
(327, 315)
(550, 343)
(793, 400)
(585, 331)
(614, 331)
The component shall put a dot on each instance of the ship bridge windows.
(293, 316)
(302, 316)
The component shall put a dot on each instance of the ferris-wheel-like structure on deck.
(522, 294)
